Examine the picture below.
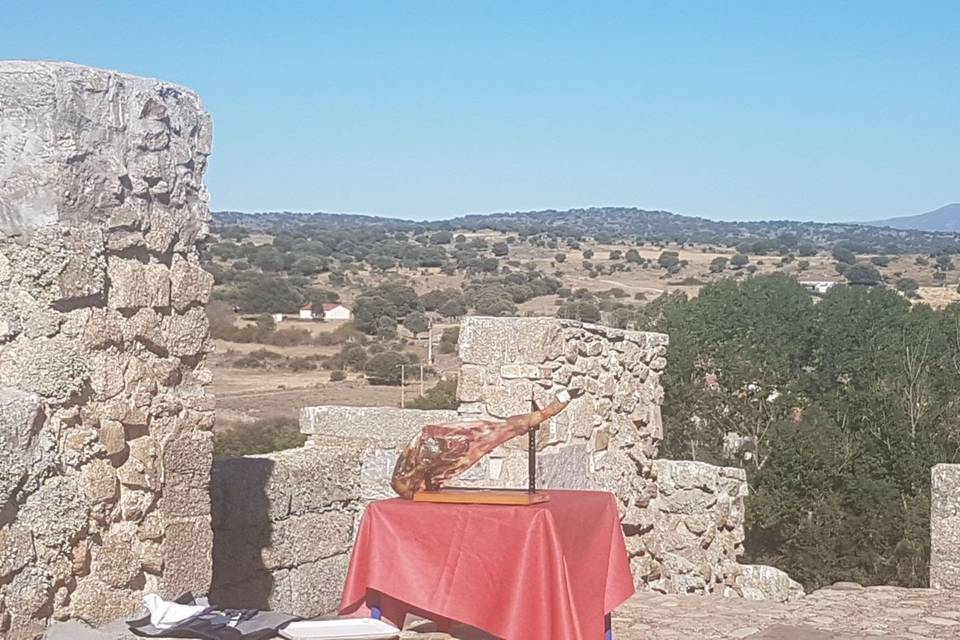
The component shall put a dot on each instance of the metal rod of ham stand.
(532, 461)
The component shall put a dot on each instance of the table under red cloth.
(550, 571)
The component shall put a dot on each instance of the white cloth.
(165, 614)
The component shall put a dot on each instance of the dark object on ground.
(212, 623)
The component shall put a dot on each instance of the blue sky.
(730, 110)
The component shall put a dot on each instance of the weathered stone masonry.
(105, 447)
(945, 526)
(683, 520)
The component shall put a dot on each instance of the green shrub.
(301, 364)
(263, 436)
(442, 395)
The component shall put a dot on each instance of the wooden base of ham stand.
(521, 497)
(457, 495)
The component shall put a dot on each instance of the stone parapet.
(283, 526)
(683, 521)
(105, 449)
(384, 427)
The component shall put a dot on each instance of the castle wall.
(284, 524)
(682, 520)
(105, 447)
(945, 526)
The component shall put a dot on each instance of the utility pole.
(421, 379)
(430, 341)
(403, 384)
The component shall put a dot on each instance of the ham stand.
(463, 495)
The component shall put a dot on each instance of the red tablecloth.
(543, 572)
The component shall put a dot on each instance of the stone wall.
(683, 521)
(105, 447)
(284, 523)
(945, 526)
(283, 527)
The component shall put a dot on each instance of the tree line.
(837, 408)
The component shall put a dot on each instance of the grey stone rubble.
(945, 526)
(105, 447)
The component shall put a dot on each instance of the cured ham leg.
(442, 451)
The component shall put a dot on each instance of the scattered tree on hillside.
(908, 286)
(579, 310)
(739, 260)
(416, 323)
(842, 254)
(862, 273)
(384, 368)
(668, 259)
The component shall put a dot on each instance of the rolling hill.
(946, 218)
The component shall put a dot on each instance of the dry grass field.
(247, 395)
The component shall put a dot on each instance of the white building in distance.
(336, 311)
(817, 286)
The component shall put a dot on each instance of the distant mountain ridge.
(945, 219)
(608, 224)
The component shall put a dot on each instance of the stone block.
(101, 327)
(135, 284)
(83, 272)
(16, 550)
(56, 512)
(106, 374)
(187, 557)
(565, 467)
(189, 283)
(55, 368)
(95, 602)
(98, 480)
(187, 460)
(29, 592)
(315, 587)
(577, 418)
(186, 334)
(511, 371)
(762, 582)
(115, 561)
(309, 537)
(375, 473)
(254, 490)
(19, 426)
(498, 341)
(323, 477)
(510, 398)
(142, 468)
(377, 426)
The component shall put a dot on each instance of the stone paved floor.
(841, 612)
